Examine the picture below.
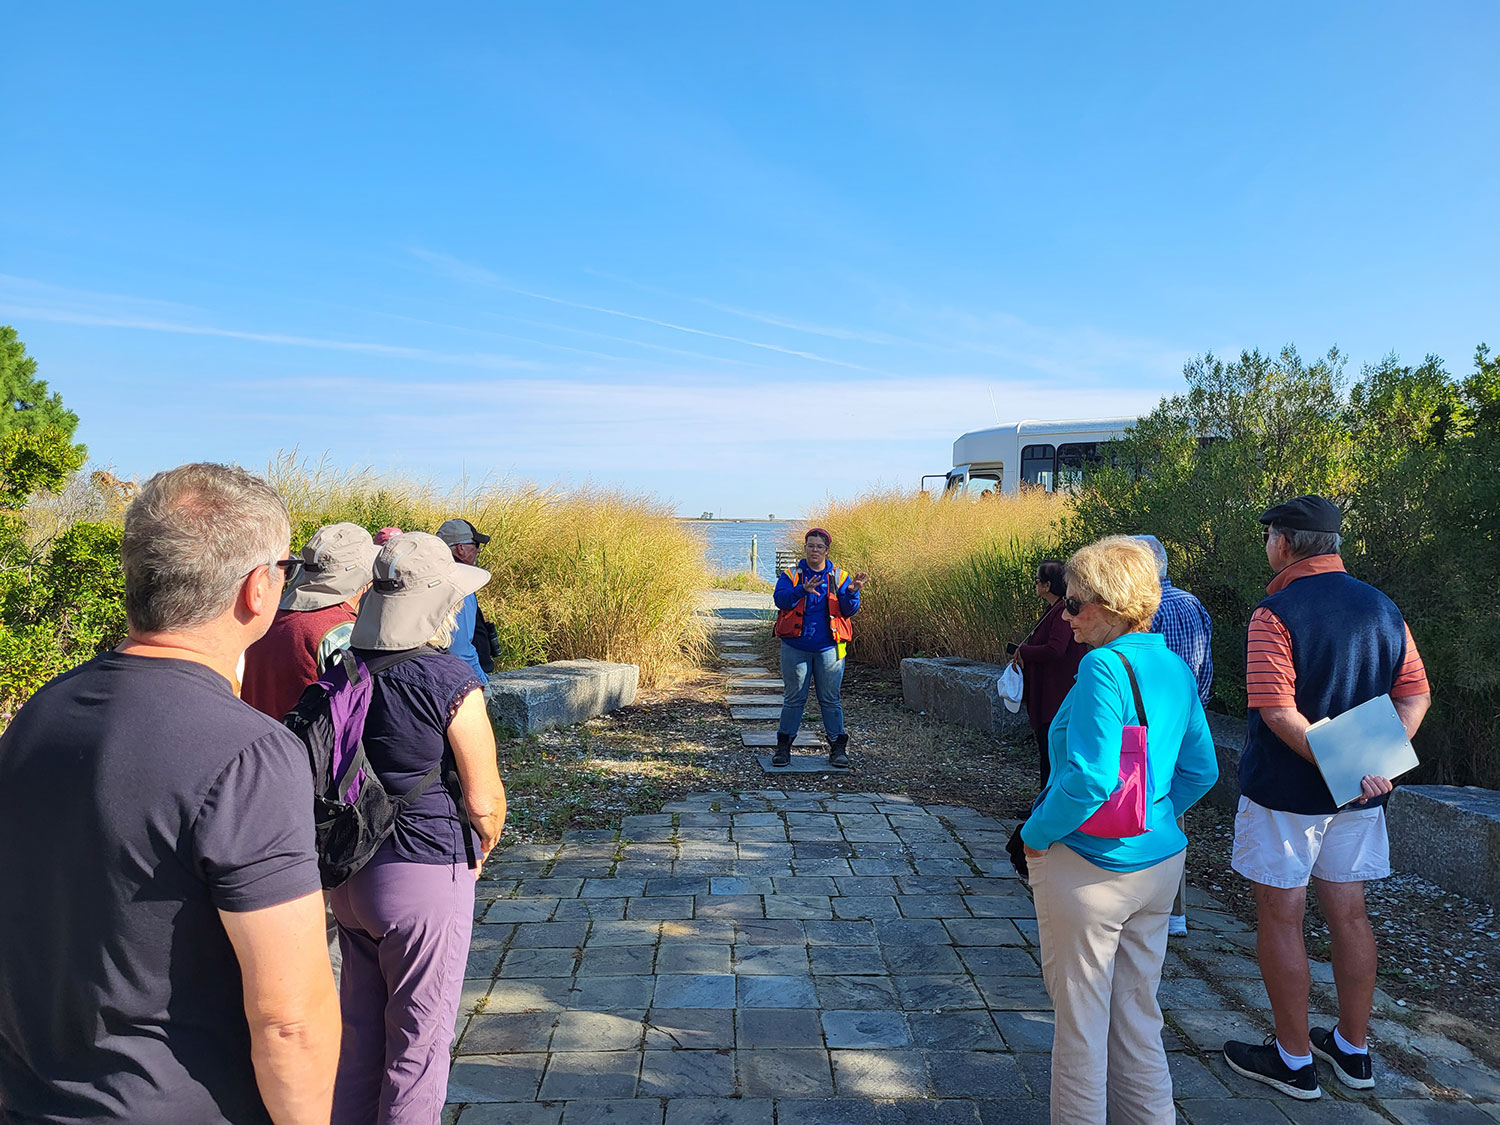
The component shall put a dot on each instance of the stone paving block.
(791, 1111)
(921, 960)
(943, 867)
(675, 957)
(955, 1031)
(549, 935)
(840, 960)
(865, 906)
(769, 931)
(975, 1074)
(998, 1111)
(539, 963)
(756, 699)
(743, 1111)
(520, 910)
(1001, 906)
(1025, 1031)
(728, 906)
(866, 1029)
(805, 885)
(866, 884)
(539, 994)
(775, 992)
(683, 1029)
(1192, 1079)
(1024, 994)
(1207, 1030)
(702, 931)
(756, 739)
(627, 932)
(928, 885)
(1329, 1112)
(1469, 1078)
(590, 1074)
(609, 994)
(886, 866)
(473, 993)
(800, 763)
(761, 1028)
(879, 1074)
(496, 1034)
(950, 1111)
(744, 713)
(911, 931)
(513, 1114)
(612, 888)
(852, 992)
(740, 885)
(742, 659)
(496, 1078)
(811, 907)
(695, 990)
(1242, 1111)
(770, 960)
(585, 1111)
(1187, 992)
(687, 1074)
(657, 908)
(1411, 1111)
(793, 1072)
(670, 885)
(983, 931)
(590, 909)
(598, 1031)
(617, 960)
(840, 932)
(998, 960)
(930, 993)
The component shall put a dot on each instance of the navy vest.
(1348, 643)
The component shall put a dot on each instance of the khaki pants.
(1104, 935)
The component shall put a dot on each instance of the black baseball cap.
(1305, 513)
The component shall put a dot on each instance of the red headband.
(828, 539)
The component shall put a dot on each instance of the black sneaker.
(783, 755)
(1264, 1064)
(838, 753)
(1355, 1071)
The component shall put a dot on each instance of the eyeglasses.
(1073, 606)
(1266, 532)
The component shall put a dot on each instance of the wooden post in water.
(754, 554)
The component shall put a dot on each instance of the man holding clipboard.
(1321, 644)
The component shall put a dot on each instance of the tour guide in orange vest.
(816, 600)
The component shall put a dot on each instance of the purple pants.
(404, 933)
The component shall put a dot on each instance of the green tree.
(25, 402)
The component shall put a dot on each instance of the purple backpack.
(353, 814)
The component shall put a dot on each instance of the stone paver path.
(784, 958)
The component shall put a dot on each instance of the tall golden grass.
(947, 577)
(584, 573)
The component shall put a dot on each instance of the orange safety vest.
(789, 621)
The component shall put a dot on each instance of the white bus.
(1046, 455)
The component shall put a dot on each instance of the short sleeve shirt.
(138, 798)
(406, 734)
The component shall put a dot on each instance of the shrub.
(741, 580)
(947, 577)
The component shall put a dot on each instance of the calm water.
(729, 543)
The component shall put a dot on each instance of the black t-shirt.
(138, 797)
(405, 735)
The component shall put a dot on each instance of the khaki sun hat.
(417, 584)
(336, 564)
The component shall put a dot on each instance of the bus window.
(1038, 464)
(1071, 460)
(980, 485)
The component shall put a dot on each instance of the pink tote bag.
(1124, 813)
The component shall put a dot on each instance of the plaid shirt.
(1185, 624)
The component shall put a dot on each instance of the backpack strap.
(1135, 688)
(406, 799)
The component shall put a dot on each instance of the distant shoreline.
(732, 519)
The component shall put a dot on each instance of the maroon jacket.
(1049, 663)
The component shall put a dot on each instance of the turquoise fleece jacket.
(1084, 747)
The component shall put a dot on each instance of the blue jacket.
(1083, 745)
(816, 635)
(462, 645)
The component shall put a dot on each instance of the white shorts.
(1282, 849)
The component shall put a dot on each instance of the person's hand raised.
(858, 581)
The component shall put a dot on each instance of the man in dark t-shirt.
(160, 878)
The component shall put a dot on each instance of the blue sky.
(739, 256)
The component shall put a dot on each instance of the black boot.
(783, 755)
(838, 753)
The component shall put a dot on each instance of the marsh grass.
(947, 577)
(586, 573)
(742, 581)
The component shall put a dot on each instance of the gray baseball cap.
(336, 564)
(417, 584)
(455, 531)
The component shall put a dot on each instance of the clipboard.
(1368, 739)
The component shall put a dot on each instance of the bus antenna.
(993, 407)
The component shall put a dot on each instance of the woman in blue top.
(816, 601)
(1102, 903)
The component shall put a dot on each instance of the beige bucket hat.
(417, 583)
(336, 565)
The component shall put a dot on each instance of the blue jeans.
(827, 672)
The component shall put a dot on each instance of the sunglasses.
(1073, 606)
(290, 569)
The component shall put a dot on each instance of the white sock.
(1293, 1061)
(1347, 1047)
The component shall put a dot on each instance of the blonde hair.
(1119, 574)
(444, 635)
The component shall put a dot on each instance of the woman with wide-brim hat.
(406, 917)
(816, 601)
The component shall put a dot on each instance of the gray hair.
(191, 536)
(1157, 549)
(1305, 544)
